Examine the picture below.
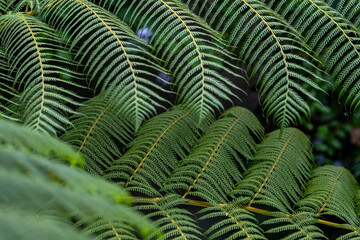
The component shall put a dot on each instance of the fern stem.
(205, 204)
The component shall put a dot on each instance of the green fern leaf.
(97, 133)
(279, 159)
(235, 223)
(297, 226)
(21, 138)
(218, 158)
(331, 191)
(27, 43)
(175, 222)
(115, 59)
(155, 151)
(354, 235)
(31, 185)
(8, 95)
(332, 37)
(100, 229)
(274, 52)
(193, 51)
(349, 9)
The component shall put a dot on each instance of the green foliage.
(278, 159)
(45, 196)
(77, 70)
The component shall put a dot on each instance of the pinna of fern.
(279, 159)
(8, 95)
(195, 53)
(155, 150)
(167, 214)
(332, 37)
(218, 158)
(46, 196)
(114, 58)
(44, 96)
(349, 9)
(98, 132)
(274, 53)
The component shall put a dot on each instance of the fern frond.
(332, 37)
(349, 9)
(274, 52)
(297, 226)
(155, 151)
(100, 229)
(279, 159)
(8, 95)
(115, 59)
(35, 226)
(97, 132)
(21, 138)
(45, 97)
(233, 222)
(30, 183)
(175, 222)
(218, 158)
(331, 191)
(354, 235)
(193, 51)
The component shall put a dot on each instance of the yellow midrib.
(41, 70)
(213, 154)
(281, 50)
(125, 53)
(153, 146)
(93, 126)
(177, 226)
(196, 46)
(331, 191)
(116, 233)
(337, 24)
(272, 169)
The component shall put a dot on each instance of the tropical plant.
(107, 103)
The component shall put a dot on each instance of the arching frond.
(155, 151)
(332, 37)
(97, 132)
(218, 159)
(8, 95)
(296, 226)
(114, 57)
(234, 223)
(274, 52)
(31, 46)
(349, 9)
(279, 159)
(175, 222)
(331, 191)
(99, 229)
(22, 139)
(193, 51)
(354, 235)
(34, 186)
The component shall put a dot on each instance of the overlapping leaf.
(114, 58)
(333, 37)
(279, 159)
(274, 52)
(194, 52)
(32, 47)
(218, 159)
(155, 151)
(98, 133)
